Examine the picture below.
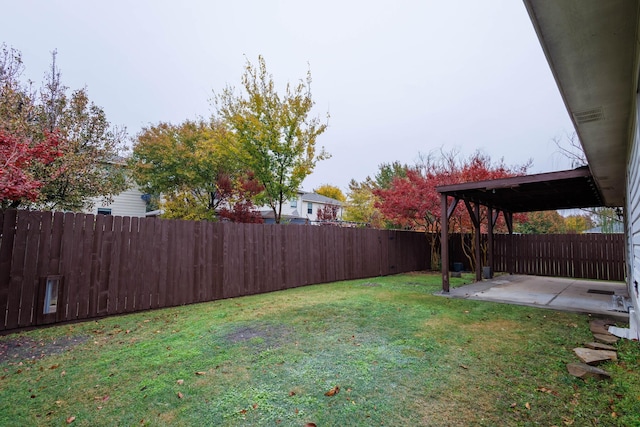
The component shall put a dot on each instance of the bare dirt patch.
(20, 348)
(262, 336)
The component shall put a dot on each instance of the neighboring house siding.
(127, 203)
(632, 214)
(297, 209)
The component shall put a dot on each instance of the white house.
(303, 208)
(593, 50)
(128, 203)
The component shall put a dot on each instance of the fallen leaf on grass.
(527, 405)
(513, 405)
(70, 420)
(180, 382)
(54, 366)
(310, 425)
(547, 390)
(333, 391)
(292, 393)
(200, 373)
(180, 395)
(464, 367)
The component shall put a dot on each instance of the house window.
(309, 208)
(51, 295)
(104, 211)
(294, 203)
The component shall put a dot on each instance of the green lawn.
(399, 355)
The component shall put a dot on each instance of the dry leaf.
(63, 373)
(180, 395)
(464, 367)
(310, 425)
(243, 411)
(614, 415)
(513, 405)
(292, 393)
(200, 373)
(255, 406)
(70, 420)
(333, 391)
(527, 405)
(54, 366)
(180, 382)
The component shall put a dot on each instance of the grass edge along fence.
(57, 267)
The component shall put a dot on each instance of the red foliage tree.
(239, 199)
(19, 159)
(328, 213)
(413, 202)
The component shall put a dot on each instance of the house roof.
(317, 198)
(546, 191)
(592, 48)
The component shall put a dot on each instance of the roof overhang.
(546, 191)
(592, 48)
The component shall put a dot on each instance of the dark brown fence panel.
(584, 256)
(111, 265)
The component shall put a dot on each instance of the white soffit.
(592, 49)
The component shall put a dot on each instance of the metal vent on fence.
(591, 115)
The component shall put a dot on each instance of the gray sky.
(398, 78)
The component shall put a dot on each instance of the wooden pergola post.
(444, 242)
(493, 218)
(508, 218)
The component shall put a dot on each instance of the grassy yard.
(399, 355)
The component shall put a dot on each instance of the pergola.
(530, 193)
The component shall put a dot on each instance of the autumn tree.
(544, 222)
(276, 137)
(578, 223)
(191, 166)
(387, 172)
(87, 165)
(328, 212)
(413, 201)
(18, 157)
(360, 206)
(330, 191)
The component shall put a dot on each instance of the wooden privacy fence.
(57, 267)
(583, 256)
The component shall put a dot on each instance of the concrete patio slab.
(575, 295)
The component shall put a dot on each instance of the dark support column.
(476, 213)
(444, 243)
(490, 240)
(508, 218)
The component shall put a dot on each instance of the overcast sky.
(398, 78)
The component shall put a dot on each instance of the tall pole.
(444, 243)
